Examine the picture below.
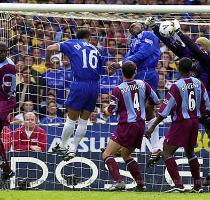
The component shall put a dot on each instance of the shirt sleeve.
(65, 47)
(169, 103)
(197, 52)
(145, 49)
(151, 95)
(113, 105)
(101, 68)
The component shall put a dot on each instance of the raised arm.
(145, 50)
(199, 54)
(174, 45)
(51, 49)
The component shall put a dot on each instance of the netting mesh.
(43, 91)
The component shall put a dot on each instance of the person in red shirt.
(30, 136)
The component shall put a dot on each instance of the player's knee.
(126, 157)
(105, 154)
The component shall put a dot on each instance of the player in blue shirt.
(145, 53)
(86, 65)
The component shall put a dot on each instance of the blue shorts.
(151, 77)
(83, 95)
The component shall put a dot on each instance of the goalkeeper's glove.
(176, 24)
(150, 21)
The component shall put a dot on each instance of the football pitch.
(69, 195)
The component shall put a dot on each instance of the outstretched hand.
(112, 67)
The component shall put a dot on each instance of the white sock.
(67, 132)
(79, 134)
(155, 140)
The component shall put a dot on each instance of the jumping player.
(145, 53)
(86, 65)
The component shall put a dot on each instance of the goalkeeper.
(186, 47)
(199, 51)
(145, 53)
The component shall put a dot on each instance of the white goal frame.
(96, 8)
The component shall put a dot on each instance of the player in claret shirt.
(186, 102)
(129, 101)
(7, 101)
(86, 65)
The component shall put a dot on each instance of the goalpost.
(28, 29)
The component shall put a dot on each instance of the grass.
(68, 195)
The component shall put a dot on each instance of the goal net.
(43, 91)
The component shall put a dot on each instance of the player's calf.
(117, 154)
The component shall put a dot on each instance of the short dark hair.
(83, 34)
(128, 69)
(185, 65)
(3, 46)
